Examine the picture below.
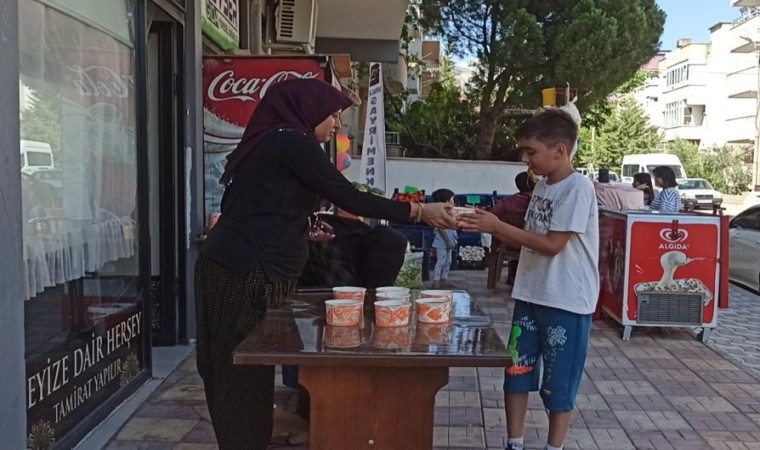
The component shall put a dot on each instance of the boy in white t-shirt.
(557, 283)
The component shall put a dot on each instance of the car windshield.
(694, 184)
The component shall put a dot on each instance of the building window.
(678, 75)
(679, 114)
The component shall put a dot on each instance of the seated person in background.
(643, 182)
(668, 199)
(359, 255)
(517, 203)
(619, 197)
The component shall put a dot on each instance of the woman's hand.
(321, 232)
(480, 221)
(438, 215)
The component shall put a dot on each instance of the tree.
(722, 166)
(521, 46)
(441, 126)
(42, 122)
(626, 132)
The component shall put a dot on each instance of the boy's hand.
(479, 220)
(438, 215)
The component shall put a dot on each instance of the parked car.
(699, 193)
(744, 239)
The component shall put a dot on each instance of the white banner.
(373, 150)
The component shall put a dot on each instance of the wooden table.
(371, 387)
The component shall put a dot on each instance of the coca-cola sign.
(100, 81)
(234, 86)
(226, 87)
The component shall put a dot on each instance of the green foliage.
(522, 46)
(627, 131)
(722, 166)
(441, 126)
(41, 121)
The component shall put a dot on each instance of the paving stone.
(155, 430)
(467, 437)
(662, 390)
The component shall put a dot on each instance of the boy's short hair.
(550, 127)
(443, 195)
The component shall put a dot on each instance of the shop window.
(83, 301)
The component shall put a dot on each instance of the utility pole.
(756, 153)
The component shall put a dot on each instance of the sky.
(693, 19)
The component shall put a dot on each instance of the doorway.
(166, 165)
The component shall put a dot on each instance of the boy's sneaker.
(514, 447)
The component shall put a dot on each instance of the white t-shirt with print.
(570, 279)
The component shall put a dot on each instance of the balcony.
(693, 94)
(395, 76)
(745, 3)
(371, 35)
(740, 130)
(685, 132)
(742, 84)
(747, 25)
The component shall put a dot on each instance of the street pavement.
(661, 390)
(738, 332)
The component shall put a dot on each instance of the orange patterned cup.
(433, 310)
(435, 293)
(400, 296)
(392, 313)
(343, 313)
(431, 333)
(462, 210)
(391, 338)
(349, 293)
(392, 289)
(342, 337)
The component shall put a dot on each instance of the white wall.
(462, 177)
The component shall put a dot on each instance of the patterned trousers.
(240, 398)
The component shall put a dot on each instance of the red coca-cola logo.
(226, 86)
(233, 87)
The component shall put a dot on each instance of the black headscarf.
(298, 104)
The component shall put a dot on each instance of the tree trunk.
(486, 133)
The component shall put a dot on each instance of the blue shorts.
(556, 338)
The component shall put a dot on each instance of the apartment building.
(709, 90)
(648, 96)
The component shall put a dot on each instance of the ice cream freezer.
(659, 269)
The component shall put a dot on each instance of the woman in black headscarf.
(252, 258)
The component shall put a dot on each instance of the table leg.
(375, 408)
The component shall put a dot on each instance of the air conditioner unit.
(296, 22)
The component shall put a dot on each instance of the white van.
(633, 164)
(36, 156)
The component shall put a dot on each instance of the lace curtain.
(77, 97)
